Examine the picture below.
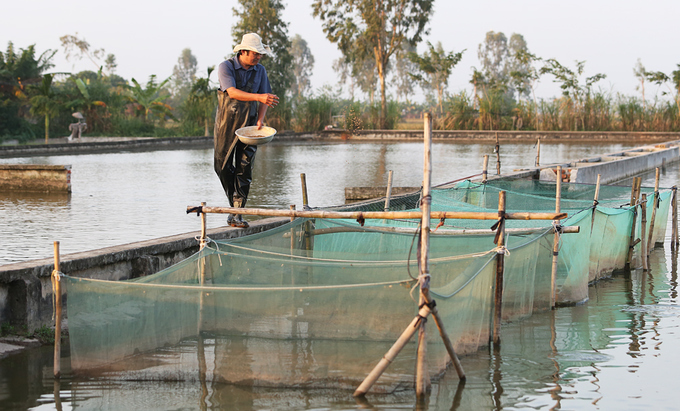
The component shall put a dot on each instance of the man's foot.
(230, 219)
(238, 222)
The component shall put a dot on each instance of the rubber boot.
(238, 221)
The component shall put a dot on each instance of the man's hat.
(253, 42)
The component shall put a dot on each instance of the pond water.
(620, 350)
(125, 197)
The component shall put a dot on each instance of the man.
(243, 84)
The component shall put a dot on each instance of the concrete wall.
(26, 288)
(623, 165)
(35, 177)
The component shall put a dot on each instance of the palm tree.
(149, 100)
(45, 102)
(201, 102)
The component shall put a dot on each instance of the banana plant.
(45, 102)
(148, 99)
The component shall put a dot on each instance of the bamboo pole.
(392, 353)
(632, 241)
(378, 215)
(500, 265)
(498, 156)
(439, 232)
(485, 169)
(422, 375)
(203, 228)
(597, 190)
(56, 289)
(445, 338)
(305, 199)
(388, 195)
(643, 228)
(556, 240)
(651, 242)
(538, 152)
(674, 228)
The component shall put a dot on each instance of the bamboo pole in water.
(305, 200)
(498, 156)
(500, 266)
(632, 242)
(422, 375)
(392, 353)
(643, 229)
(377, 215)
(388, 195)
(538, 152)
(651, 242)
(485, 169)
(203, 228)
(556, 240)
(56, 289)
(674, 228)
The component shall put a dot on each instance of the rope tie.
(55, 277)
(441, 223)
(198, 210)
(501, 250)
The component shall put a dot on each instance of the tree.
(403, 68)
(520, 66)
(303, 67)
(76, 48)
(381, 26)
(19, 68)
(45, 102)
(660, 78)
(571, 85)
(184, 74)
(435, 66)
(641, 73)
(264, 18)
(493, 54)
(110, 64)
(149, 100)
(201, 103)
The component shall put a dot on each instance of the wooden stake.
(445, 338)
(56, 289)
(643, 227)
(556, 240)
(485, 169)
(388, 195)
(651, 242)
(422, 375)
(538, 152)
(305, 200)
(674, 228)
(203, 228)
(498, 156)
(632, 241)
(597, 190)
(500, 263)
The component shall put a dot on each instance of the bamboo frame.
(203, 228)
(57, 312)
(632, 242)
(538, 152)
(440, 232)
(643, 227)
(388, 194)
(305, 199)
(500, 267)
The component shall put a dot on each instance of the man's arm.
(267, 99)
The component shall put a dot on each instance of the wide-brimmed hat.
(253, 42)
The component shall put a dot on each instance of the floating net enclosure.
(317, 302)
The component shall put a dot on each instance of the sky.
(147, 37)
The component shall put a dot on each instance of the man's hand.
(270, 100)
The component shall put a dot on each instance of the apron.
(233, 160)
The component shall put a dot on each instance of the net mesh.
(317, 302)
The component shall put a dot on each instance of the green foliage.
(200, 105)
(44, 334)
(436, 66)
(149, 99)
(7, 329)
(313, 114)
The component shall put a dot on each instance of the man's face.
(250, 58)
